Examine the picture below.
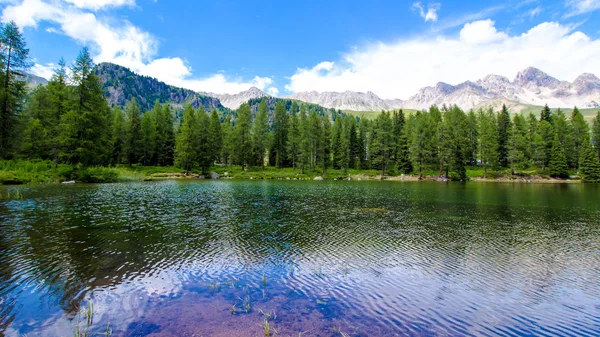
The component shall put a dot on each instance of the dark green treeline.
(69, 121)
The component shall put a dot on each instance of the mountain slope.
(122, 85)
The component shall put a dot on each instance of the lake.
(219, 258)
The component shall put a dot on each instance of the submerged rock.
(319, 178)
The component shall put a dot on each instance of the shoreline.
(43, 172)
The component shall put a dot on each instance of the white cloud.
(430, 14)
(534, 12)
(578, 7)
(119, 42)
(398, 70)
(482, 31)
(98, 4)
(43, 70)
(273, 91)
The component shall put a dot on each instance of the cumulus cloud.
(43, 70)
(273, 91)
(578, 7)
(398, 70)
(428, 15)
(119, 42)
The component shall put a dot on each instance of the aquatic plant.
(264, 280)
(233, 309)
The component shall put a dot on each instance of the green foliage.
(14, 56)
(185, 151)
(558, 167)
(589, 163)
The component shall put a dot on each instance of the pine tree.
(325, 143)
(60, 93)
(589, 163)
(228, 141)
(547, 134)
(85, 128)
(133, 146)
(165, 135)
(118, 136)
(517, 144)
(294, 137)
(355, 145)
(558, 167)
(580, 131)
(280, 134)
(596, 133)
(148, 134)
(242, 135)
(546, 114)
(504, 128)
(201, 140)
(15, 57)
(304, 153)
(421, 145)
(540, 154)
(488, 142)
(185, 151)
(215, 136)
(471, 147)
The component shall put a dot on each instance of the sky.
(391, 48)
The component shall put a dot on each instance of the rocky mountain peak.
(534, 76)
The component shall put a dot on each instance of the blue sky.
(389, 47)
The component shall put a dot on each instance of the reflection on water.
(323, 258)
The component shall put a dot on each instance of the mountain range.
(530, 87)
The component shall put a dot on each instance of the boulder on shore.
(215, 175)
(72, 182)
(319, 178)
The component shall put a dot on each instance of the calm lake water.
(324, 258)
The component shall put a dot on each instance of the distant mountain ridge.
(530, 87)
(234, 101)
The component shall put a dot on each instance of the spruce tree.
(118, 136)
(215, 136)
(471, 147)
(15, 57)
(421, 145)
(589, 163)
(580, 131)
(546, 114)
(201, 141)
(488, 141)
(558, 167)
(596, 134)
(133, 146)
(185, 149)
(85, 128)
(165, 136)
(148, 134)
(280, 134)
(325, 143)
(504, 128)
(242, 135)
(294, 136)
